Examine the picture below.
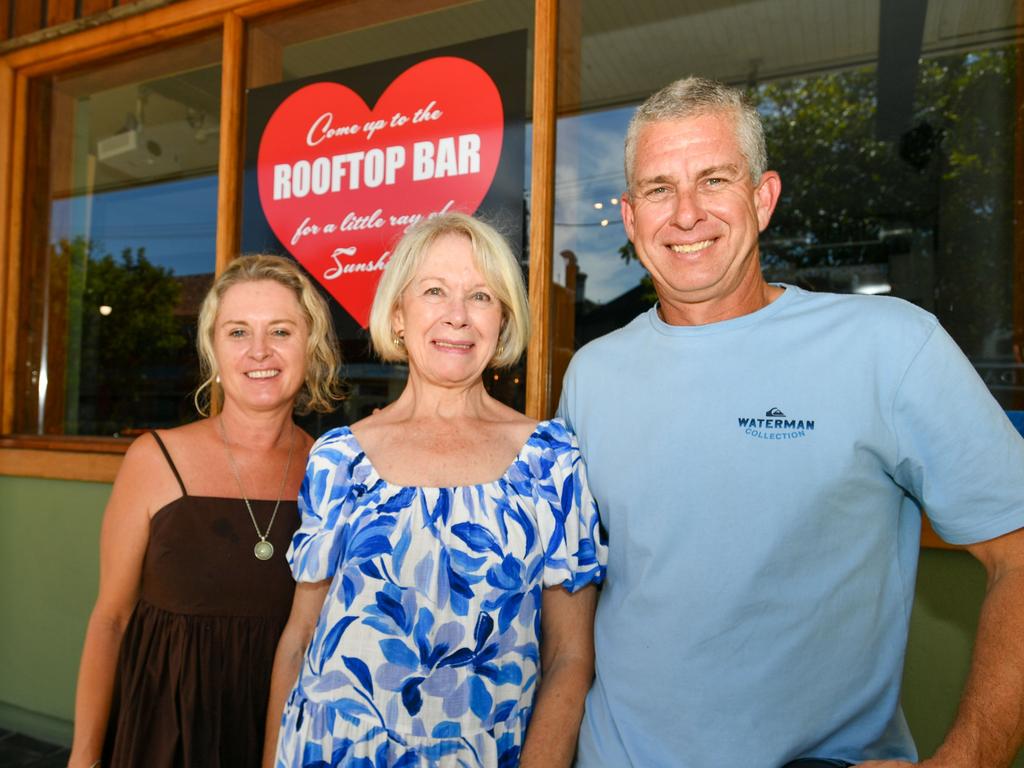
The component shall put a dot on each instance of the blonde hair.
(321, 389)
(493, 258)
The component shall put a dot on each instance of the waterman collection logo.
(775, 426)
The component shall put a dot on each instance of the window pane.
(333, 37)
(898, 169)
(123, 195)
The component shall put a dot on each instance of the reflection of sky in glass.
(175, 221)
(589, 171)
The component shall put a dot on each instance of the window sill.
(92, 459)
(97, 459)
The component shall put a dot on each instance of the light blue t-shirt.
(759, 479)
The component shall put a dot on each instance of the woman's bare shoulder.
(518, 426)
(145, 478)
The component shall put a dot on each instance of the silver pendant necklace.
(263, 549)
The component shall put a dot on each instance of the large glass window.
(296, 46)
(119, 243)
(897, 133)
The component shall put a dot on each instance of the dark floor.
(20, 751)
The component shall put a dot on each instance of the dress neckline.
(205, 497)
(375, 476)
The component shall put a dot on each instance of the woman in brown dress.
(194, 587)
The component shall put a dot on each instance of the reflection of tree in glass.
(933, 209)
(125, 345)
(944, 190)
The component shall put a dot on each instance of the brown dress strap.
(170, 462)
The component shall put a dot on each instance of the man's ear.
(628, 217)
(766, 195)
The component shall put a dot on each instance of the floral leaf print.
(330, 644)
(351, 710)
(509, 610)
(440, 590)
(458, 658)
(568, 501)
(484, 627)
(370, 569)
(398, 652)
(480, 699)
(401, 548)
(506, 673)
(446, 730)
(393, 608)
(330, 681)
(507, 575)
(398, 502)
(466, 563)
(477, 537)
(411, 697)
(503, 710)
(362, 672)
(441, 509)
(408, 760)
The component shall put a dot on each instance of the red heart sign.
(339, 183)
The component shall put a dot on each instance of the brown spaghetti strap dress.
(195, 661)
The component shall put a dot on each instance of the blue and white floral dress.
(426, 651)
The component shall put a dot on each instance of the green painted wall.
(49, 543)
(950, 586)
(49, 535)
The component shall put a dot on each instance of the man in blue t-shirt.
(761, 456)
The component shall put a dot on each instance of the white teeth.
(452, 345)
(267, 374)
(691, 247)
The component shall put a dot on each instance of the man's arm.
(989, 727)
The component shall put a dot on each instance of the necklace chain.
(263, 550)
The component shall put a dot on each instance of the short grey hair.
(695, 97)
(494, 259)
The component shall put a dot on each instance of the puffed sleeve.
(575, 554)
(326, 488)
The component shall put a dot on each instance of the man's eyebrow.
(727, 168)
(660, 179)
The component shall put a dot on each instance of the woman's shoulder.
(337, 445)
(555, 432)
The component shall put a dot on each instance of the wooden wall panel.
(89, 7)
(7, 110)
(59, 12)
(264, 59)
(28, 16)
(12, 272)
(542, 179)
(229, 170)
(60, 465)
(5, 19)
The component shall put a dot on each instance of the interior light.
(105, 309)
(604, 222)
(614, 201)
(599, 206)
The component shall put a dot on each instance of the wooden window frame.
(98, 459)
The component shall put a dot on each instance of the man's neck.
(746, 300)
